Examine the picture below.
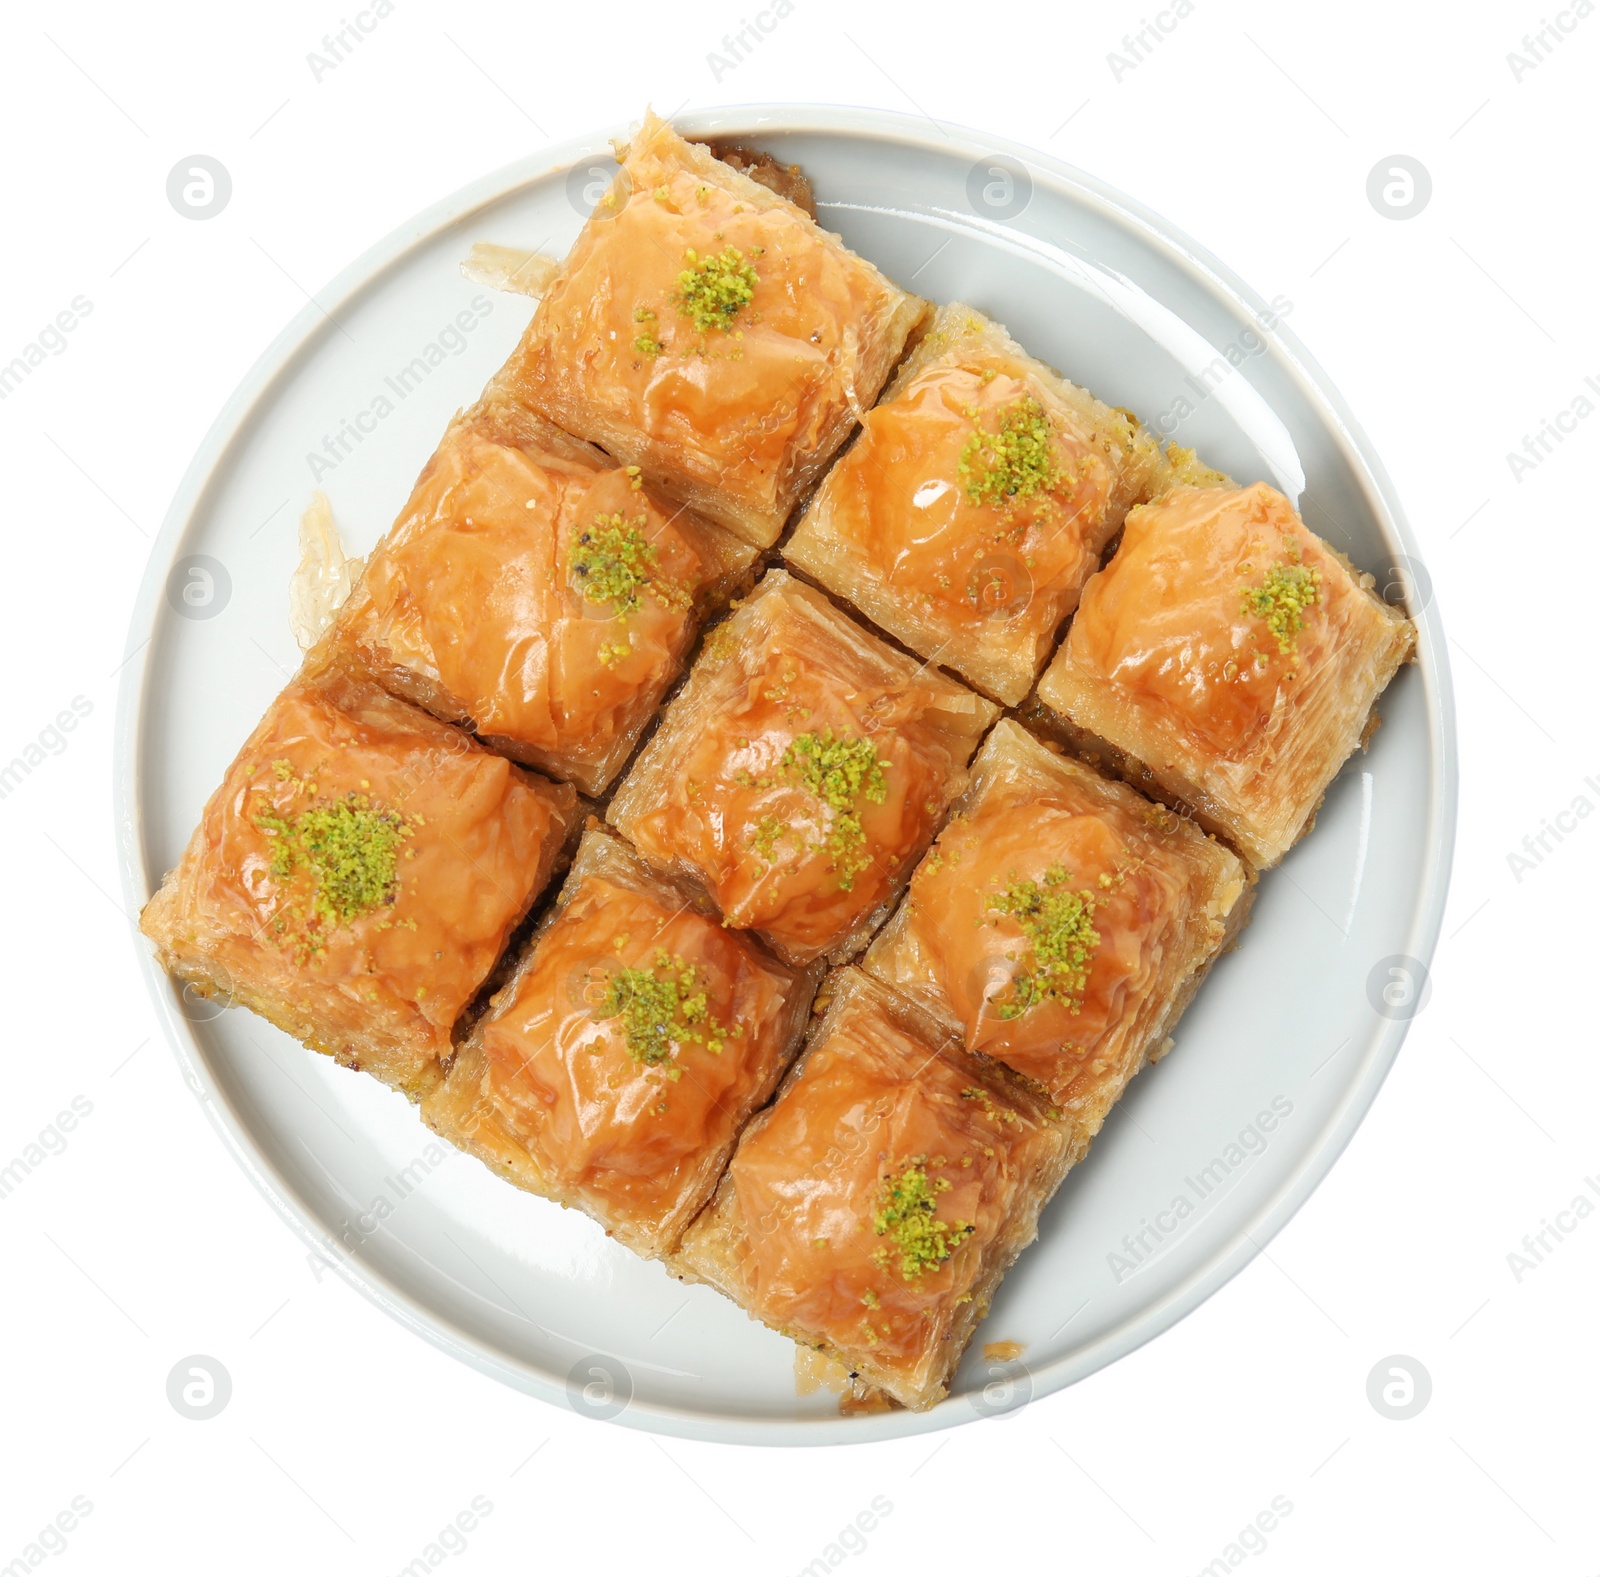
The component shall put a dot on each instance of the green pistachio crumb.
(769, 832)
(1059, 926)
(712, 289)
(661, 1006)
(1281, 600)
(1002, 1114)
(906, 1214)
(1015, 461)
(840, 771)
(349, 848)
(614, 562)
(647, 345)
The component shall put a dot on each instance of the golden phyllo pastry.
(1061, 923)
(536, 591)
(975, 503)
(1228, 659)
(705, 329)
(357, 876)
(872, 1210)
(614, 1071)
(801, 771)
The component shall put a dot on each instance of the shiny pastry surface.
(729, 332)
(871, 1190)
(552, 600)
(1217, 606)
(361, 863)
(975, 500)
(633, 1046)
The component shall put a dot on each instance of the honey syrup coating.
(1061, 923)
(975, 502)
(802, 771)
(603, 1116)
(536, 592)
(616, 1067)
(705, 328)
(872, 1209)
(357, 875)
(1233, 654)
(1172, 626)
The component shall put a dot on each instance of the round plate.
(1204, 1159)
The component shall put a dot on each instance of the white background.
(347, 1444)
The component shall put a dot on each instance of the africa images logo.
(1157, 1230)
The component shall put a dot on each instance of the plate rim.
(1318, 1156)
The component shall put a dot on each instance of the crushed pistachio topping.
(1190, 469)
(1015, 461)
(1059, 926)
(1161, 818)
(349, 847)
(907, 1204)
(713, 289)
(1003, 1114)
(645, 342)
(1281, 600)
(769, 833)
(613, 561)
(840, 771)
(663, 1005)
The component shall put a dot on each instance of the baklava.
(1229, 660)
(801, 771)
(975, 502)
(1061, 923)
(616, 1068)
(873, 1209)
(705, 329)
(537, 592)
(357, 876)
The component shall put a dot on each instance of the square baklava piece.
(536, 591)
(801, 771)
(707, 330)
(872, 1210)
(1229, 660)
(1061, 923)
(975, 502)
(615, 1070)
(357, 876)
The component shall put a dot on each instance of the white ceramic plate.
(1188, 1179)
